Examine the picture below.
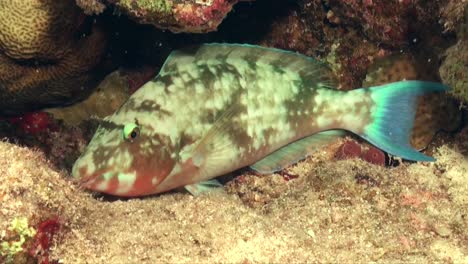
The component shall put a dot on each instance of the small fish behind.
(216, 108)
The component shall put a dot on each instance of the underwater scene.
(233, 131)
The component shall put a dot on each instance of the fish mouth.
(109, 181)
(89, 180)
(92, 179)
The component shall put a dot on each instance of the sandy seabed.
(346, 211)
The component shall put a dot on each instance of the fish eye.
(131, 131)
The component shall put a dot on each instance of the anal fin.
(295, 151)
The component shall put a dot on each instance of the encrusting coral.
(51, 54)
(454, 70)
(382, 21)
(194, 16)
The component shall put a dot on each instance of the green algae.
(19, 226)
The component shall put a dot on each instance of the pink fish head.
(124, 160)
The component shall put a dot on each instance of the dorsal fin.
(295, 151)
(308, 68)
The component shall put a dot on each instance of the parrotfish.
(216, 108)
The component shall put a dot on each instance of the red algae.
(33, 123)
(42, 241)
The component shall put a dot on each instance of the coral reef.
(194, 16)
(47, 56)
(349, 202)
(381, 21)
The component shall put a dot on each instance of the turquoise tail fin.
(394, 114)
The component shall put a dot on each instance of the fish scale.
(216, 108)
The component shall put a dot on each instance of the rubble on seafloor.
(409, 213)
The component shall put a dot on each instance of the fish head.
(124, 159)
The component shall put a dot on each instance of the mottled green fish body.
(216, 108)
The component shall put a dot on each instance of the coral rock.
(454, 70)
(91, 7)
(194, 16)
(291, 33)
(46, 58)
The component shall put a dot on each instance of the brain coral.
(45, 56)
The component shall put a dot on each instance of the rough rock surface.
(194, 16)
(454, 70)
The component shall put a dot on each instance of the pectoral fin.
(295, 151)
(216, 149)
